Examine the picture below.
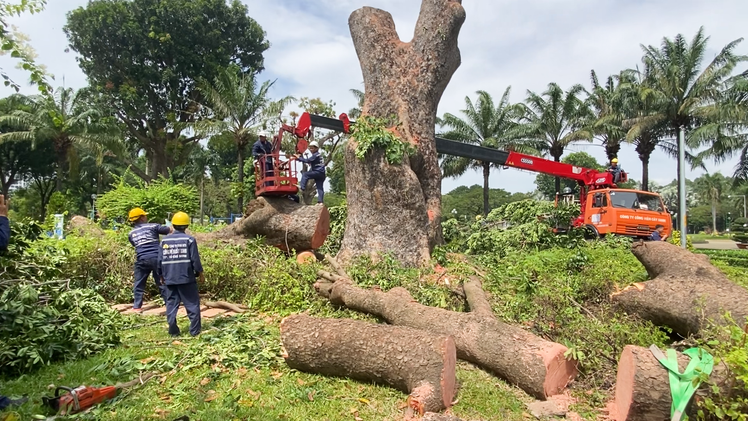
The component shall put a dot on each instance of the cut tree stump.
(536, 365)
(412, 361)
(643, 387)
(284, 224)
(685, 291)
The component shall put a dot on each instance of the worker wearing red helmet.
(316, 171)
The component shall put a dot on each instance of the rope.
(684, 385)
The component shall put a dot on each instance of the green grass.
(269, 391)
(706, 237)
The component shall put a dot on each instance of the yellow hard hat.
(135, 214)
(614, 160)
(180, 218)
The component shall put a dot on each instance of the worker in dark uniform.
(615, 169)
(4, 223)
(144, 237)
(264, 147)
(179, 267)
(316, 170)
(6, 402)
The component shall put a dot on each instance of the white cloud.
(522, 43)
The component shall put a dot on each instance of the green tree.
(689, 94)
(467, 202)
(237, 103)
(62, 118)
(10, 42)
(607, 122)
(556, 119)
(546, 183)
(709, 189)
(147, 58)
(485, 124)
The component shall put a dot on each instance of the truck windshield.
(636, 200)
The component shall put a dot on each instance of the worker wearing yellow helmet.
(144, 237)
(179, 267)
(615, 169)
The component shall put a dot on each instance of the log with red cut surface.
(413, 361)
(536, 365)
(686, 292)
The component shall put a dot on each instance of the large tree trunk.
(537, 366)
(283, 222)
(686, 292)
(397, 208)
(714, 217)
(643, 386)
(410, 360)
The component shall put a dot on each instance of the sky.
(525, 44)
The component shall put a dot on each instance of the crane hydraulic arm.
(590, 179)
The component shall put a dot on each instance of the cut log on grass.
(643, 387)
(413, 361)
(224, 305)
(536, 365)
(306, 257)
(284, 224)
(686, 291)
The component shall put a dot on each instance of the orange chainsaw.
(84, 397)
(78, 399)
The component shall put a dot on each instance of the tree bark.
(283, 222)
(410, 360)
(686, 292)
(557, 180)
(643, 387)
(535, 365)
(714, 216)
(397, 208)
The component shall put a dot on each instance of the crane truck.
(605, 208)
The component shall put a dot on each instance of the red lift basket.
(281, 181)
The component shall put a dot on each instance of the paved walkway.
(151, 309)
(717, 245)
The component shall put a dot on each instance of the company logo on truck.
(527, 161)
(600, 180)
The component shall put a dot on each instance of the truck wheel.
(591, 233)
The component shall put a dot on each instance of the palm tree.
(355, 112)
(237, 103)
(556, 119)
(709, 187)
(485, 124)
(63, 118)
(607, 124)
(689, 97)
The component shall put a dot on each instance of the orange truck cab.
(625, 212)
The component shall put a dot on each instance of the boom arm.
(590, 178)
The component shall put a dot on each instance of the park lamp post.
(745, 214)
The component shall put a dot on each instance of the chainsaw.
(84, 397)
(78, 399)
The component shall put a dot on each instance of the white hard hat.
(263, 133)
(314, 143)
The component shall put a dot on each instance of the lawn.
(221, 390)
(706, 237)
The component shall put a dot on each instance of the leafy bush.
(739, 228)
(41, 319)
(338, 216)
(728, 399)
(158, 198)
(675, 239)
(524, 225)
(371, 132)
